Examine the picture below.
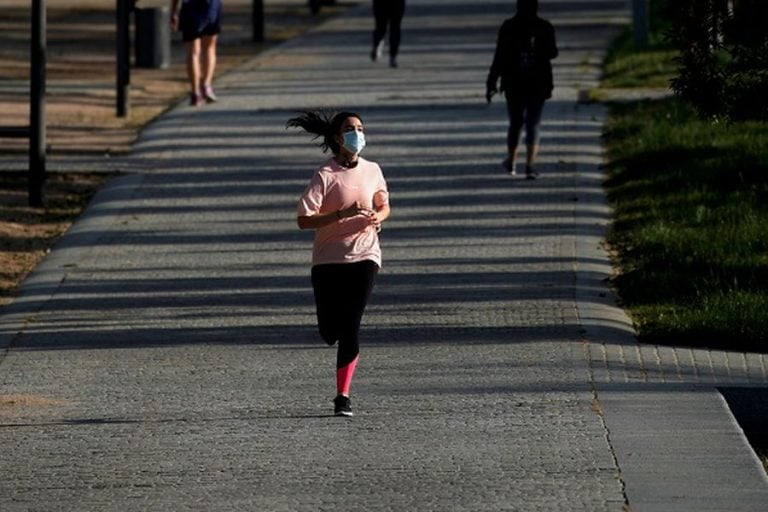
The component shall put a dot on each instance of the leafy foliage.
(723, 56)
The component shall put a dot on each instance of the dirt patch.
(81, 105)
(26, 233)
(28, 401)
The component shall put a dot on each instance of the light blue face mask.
(354, 141)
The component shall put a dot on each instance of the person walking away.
(200, 24)
(524, 50)
(388, 15)
(345, 203)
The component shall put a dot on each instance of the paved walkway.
(164, 356)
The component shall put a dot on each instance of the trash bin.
(153, 37)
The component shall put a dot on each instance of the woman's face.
(350, 124)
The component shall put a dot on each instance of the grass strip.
(627, 66)
(690, 232)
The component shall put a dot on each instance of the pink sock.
(344, 377)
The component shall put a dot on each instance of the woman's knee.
(193, 48)
(208, 43)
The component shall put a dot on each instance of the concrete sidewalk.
(164, 355)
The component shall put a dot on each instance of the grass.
(652, 66)
(691, 216)
(627, 66)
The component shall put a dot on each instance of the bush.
(723, 56)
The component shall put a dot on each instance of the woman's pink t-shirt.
(334, 188)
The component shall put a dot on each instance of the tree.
(723, 60)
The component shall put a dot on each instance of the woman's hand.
(375, 218)
(354, 210)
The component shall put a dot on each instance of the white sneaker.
(509, 166)
(377, 51)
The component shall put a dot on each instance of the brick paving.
(164, 356)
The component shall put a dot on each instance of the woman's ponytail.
(322, 124)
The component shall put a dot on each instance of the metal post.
(37, 105)
(257, 17)
(123, 57)
(640, 22)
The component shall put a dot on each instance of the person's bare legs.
(512, 159)
(193, 67)
(208, 65)
(532, 151)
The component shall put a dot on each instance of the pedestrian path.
(164, 356)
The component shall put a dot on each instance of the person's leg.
(358, 284)
(397, 10)
(380, 28)
(325, 287)
(515, 109)
(193, 67)
(533, 111)
(532, 151)
(208, 68)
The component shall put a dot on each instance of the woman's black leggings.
(388, 12)
(341, 294)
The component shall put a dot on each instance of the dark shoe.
(531, 173)
(393, 62)
(509, 166)
(342, 406)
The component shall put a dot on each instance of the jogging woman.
(345, 203)
(200, 23)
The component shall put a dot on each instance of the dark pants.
(388, 12)
(341, 294)
(524, 111)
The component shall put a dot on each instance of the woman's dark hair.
(527, 8)
(322, 124)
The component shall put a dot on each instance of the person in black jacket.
(524, 50)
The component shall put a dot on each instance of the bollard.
(257, 21)
(123, 57)
(37, 134)
(153, 37)
(640, 22)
